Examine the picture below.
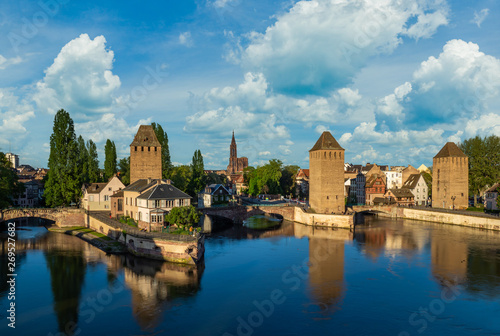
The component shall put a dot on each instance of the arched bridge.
(61, 216)
(391, 210)
(239, 213)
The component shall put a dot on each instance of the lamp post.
(453, 200)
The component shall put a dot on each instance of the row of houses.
(373, 184)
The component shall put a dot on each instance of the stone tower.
(145, 155)
(450, 178)
(326, 175)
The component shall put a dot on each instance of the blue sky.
(392, 80)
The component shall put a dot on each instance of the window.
(91, 198)
(142, 148)
(156, 148)
(126, 200)
(106, 206)
(153, 218)
(157, 203)
(149, 149)
(109, 189)
(106, 198)
(135, 149)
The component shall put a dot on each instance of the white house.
(417, 185)
(394, 178)
(490, 197)
(212, 194)
(96, 196)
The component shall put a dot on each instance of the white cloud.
(488, 124)
(222, 3)
(265, 153)
(80, 79)
(321, 128)
(186, 39)
(13, 115)
(458, 84)
(319, 45)
(480, 17)
(109, 126)
(4, 62)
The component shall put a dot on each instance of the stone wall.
(334, 221)
(450, 179)
(64, 217)
(186, 252)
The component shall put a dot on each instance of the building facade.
(326, 180)
(360, 188)
(417, 185)
(302, 183)
(375, 187)
(491, 196)
(213, 194)
(13, 158)
(145, 155)
(450, 178)
(97, 196)
(394, 179)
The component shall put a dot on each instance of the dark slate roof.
(213, 188)
(450, 150)
(326, 141)
(118, 194)
(403, 192)
(163, 191)
(140, 185)
(411, 182)
(146, 137)
(95, 188)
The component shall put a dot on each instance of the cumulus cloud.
(265, 153)
(222, 3)
(109, 126)
(319, 45)
(488, 124)
(186, 39)
(80, 80)
(456, 85)
(14, 113)
(480, 17)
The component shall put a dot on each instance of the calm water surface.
(389, 277)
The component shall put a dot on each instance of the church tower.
(326, 175)
(145, 155)
(450, 178)
(233, 157)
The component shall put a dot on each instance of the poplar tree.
(110, 159)
(62, 185)
(197, 182)
(124, 168)
(166, 162)
(82, 162)
(94, 173)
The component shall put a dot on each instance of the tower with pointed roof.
(450, 178)
(326, 175)
(236, 165)
(145, 155)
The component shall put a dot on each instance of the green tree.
(214, 178)
(265, 178)
(109, 160)
(162, 137)
(428, 179)
(197, 181)
(181, 176)
(10, 187)
(287, 180)
(484, 162)
(94, 173)
(187, 215)
(83, 161)
(62, 185)
(124, 165)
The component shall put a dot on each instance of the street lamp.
(453, 200)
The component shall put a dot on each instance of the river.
(389, 277)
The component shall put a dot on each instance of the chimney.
(168, 181)
(149, 180)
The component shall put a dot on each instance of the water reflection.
(155, 286)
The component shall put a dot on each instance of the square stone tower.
(145, 155)
(450, 178)
(326, 175)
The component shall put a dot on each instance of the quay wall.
(178, 251)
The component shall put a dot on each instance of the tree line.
(271, 178)
(74, 162)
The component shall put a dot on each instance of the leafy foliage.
(484, 162)
(124, 168)
(265, 179)
(197, 180)
(64, 176)
(186, 216)
(166, 162)
(180, 176)
(93, 171)
(10, 187)
(110, 159)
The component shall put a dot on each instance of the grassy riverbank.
(97, 239)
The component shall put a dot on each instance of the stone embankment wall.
(64, 217)
(188, 251)
(290, 213)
